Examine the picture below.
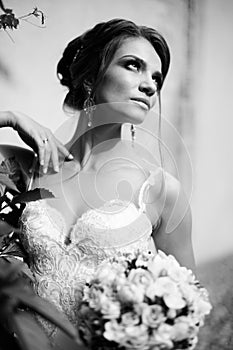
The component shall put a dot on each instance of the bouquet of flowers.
(142, 302)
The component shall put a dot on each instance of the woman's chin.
(122, 112)
(135, 114)
(132, 113)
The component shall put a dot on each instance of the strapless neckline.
(113, 216)
(58, 220)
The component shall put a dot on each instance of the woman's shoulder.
(164, 183)
(177, 200)
(166, 195)
(173, 186)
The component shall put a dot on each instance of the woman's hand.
(38, 137)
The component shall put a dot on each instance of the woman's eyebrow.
(142, 62)
(136, 58)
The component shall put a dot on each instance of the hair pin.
(77, 53)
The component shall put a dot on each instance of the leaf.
(27, 298)
(33, 195)
(17, 254)
(16, 173)
(16, 260)
(10, 165)
(9, 274)
(12, 259)
(50, 313)
(12, 218)
(26, 272)
(3, 197)
(11, 245)
(30, 334)
(5, 228)
(4, 170)
(6, 181)
(7, 340)
(2, 189)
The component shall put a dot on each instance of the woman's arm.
(38, 137)
(174, 234)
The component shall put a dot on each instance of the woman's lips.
(141, 102)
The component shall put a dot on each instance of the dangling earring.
(133, 134)
(89, 106)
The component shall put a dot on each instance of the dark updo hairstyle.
(87, 57)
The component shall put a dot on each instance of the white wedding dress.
(61, 269)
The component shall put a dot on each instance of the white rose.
(174, 301)
(140, 277)
(189, 292)
(131, 337)
(181, 274)
(167, 265)
(180, 331)
(119, 267)
(183, 328)
(130, 319)
(143, 259)
(167, 289)
(162, 337)
(158, 266)
(106, 274)
(202, 307)
(150, 291)
(137, 337)
(152, 315)
(162, 285)
(120, 281)
(114, 331)
(130, 293)
(110, 309)
(93, 296)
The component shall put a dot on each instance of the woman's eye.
(133, 65)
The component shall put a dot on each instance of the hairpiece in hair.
(77, 53)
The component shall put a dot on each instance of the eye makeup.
(140, 64)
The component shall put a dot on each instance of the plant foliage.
(19, 328)
(8, 19)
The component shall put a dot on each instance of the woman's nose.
(148, 86)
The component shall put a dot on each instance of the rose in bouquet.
(142, 302)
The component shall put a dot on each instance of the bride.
(110, 195)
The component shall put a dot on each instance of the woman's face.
(131, 80)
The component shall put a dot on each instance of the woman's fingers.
(41, 139)
(63, 151)
(50, 150)
(47, 155)
(54, 157)
(41, 151)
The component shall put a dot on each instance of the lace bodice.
(61, 269)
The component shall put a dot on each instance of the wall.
(28, 83)
(213, 167)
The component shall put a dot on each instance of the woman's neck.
(104, 133)
(100, 145)
(89, 145)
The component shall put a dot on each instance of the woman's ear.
(88, 85)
